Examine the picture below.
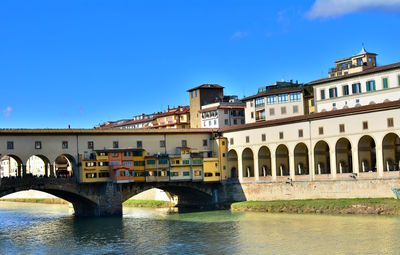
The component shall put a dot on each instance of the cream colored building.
(281, 100)
(222, 114)
(365, 86)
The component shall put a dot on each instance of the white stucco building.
(222, 114)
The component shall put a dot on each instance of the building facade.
(222, 114)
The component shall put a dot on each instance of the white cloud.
(7, 111)
(239, 35)
(335, 8)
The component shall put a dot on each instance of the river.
(51, 229)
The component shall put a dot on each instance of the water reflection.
(51, 229)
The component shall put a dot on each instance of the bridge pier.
(108, 203)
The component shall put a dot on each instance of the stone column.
(292, 166)
(311, 163)
(333, 164)
(256, 165)
(51, 170)
(240, 167)
(273, 166)
(23, 170)
(379, 160)
(354, 157)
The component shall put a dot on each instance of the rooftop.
(206, 86)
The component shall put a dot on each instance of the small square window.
(263, 137)
(247, 139)
(162, 143)
(231, 141)
(226, 121)
(295, 109)
(139, 144)
(10, 145)
(90, 145)
(205, 142)
(390, 122)
(341, 128)
(300, 132)
(321, 130)
(38, 145)
(280, 135)
(365, 125)
(223, 143)
(271, 111)
(64, 144)
(184, 143)
(252, 115)
(115, 144)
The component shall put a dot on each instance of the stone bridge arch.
(190, 194)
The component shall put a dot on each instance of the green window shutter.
(398, 78)
(385, 83)
(373, 85)
(367, 86)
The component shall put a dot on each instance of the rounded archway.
(38, 165)
(344, 159)
(301, 159)
(282, 161)
(264, 162)
(391, 152)
(10, 166)
(64, 166)
(367, 154)
(248, 163)
(233, 165)
(322, 158)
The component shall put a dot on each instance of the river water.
(51, 229)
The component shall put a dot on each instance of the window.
(38, 145)
(300, 132)
(139, 144)
(252, 115)
(272, 111)
(91, 175)
(114, 154)
(359, 62)
(138, 163)
(186, 162)
(356, 88)
(90, 145)
(127, 163)
(345, 90)
(226, 111)
(163, 161)
(162, 143)
(295, 109)
(332, 92)
(184, 143)
(341, 128)
(205, 143)
(115, 144)
(321, 130)
(231, 141)
(283, 110)
(370, 86)
(260, 101)
(64, 144)
(385, 83)
(283, 98)
(398, 79)
(390, 122)
(104, 174)
(10, 145)
(127, 153)
(280, 135)
(242, 121)
(195, 92)
(235, 122)
(271, 99)
(251, 104)
(322, 94)
(263, 137)
(365, 125)
(137, 153)
(295, 97)
(247, 139)
(186, 173)
(226, 121)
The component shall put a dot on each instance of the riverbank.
(148, 203)
(370, 206)
(35, 200)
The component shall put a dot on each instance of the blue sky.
(84, 62)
